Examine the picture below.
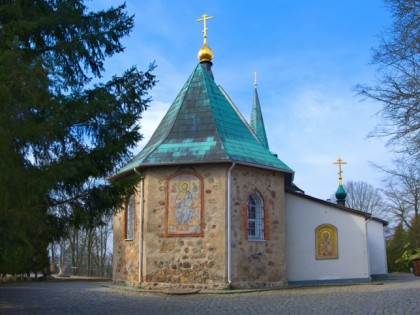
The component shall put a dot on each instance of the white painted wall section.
(377, 248)
(303, 215)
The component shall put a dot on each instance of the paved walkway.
(398, 295)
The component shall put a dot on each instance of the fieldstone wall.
(185, 261)
(201, 261)
(126, 252)
(258, 263)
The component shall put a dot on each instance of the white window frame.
(255, 217)
(129, 219)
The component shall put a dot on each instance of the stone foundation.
(161, 285)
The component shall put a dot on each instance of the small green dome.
(340, 194)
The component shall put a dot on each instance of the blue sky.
(310, 55)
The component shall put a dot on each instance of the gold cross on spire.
(340, 172)
(204, 18)
(255, 73)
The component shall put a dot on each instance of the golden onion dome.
(205, 53)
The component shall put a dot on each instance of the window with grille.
(129, 224)
(255, 217)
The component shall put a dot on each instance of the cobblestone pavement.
(398, 295)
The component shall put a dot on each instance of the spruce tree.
(395, 247)
(63, 131)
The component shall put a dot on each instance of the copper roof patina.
(203, 126)
(257, 121)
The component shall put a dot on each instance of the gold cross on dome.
(204, 18)
(255, 73)
(340, 172)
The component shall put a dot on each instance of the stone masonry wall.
(258, 263)
(125, 252)
(183, 261)
(200, 261)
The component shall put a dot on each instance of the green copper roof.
(340, 194)
(203, 126)
(257, 121)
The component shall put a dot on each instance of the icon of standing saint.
(326, 242)
(184, 204)
(325, 246)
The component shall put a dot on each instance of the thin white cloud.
(309, 57)
(149, 122)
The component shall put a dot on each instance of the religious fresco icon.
(326, 242)
(184, 205)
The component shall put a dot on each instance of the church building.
(215, 208)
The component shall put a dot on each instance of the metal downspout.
(229, 223)
(140, 280)
(367, 245)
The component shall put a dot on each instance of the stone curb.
(235, 291)
(183, 291)
(77, 278)
(162, 291)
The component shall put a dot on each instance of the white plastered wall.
(377, 248)
(303, 215)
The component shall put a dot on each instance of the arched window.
(129, 219)
(255, 217)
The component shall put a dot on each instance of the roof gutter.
(268, 168)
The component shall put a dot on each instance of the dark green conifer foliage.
(414, 232)
(61, 135)
(395, 247)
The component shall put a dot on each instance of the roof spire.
(257, 121)
(341, 192)
(205, 53)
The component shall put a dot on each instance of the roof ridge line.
(239, 113)
(179, 108)
(205, 75)
(160, 141)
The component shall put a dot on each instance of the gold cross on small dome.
(340, 172)
(204, 18)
